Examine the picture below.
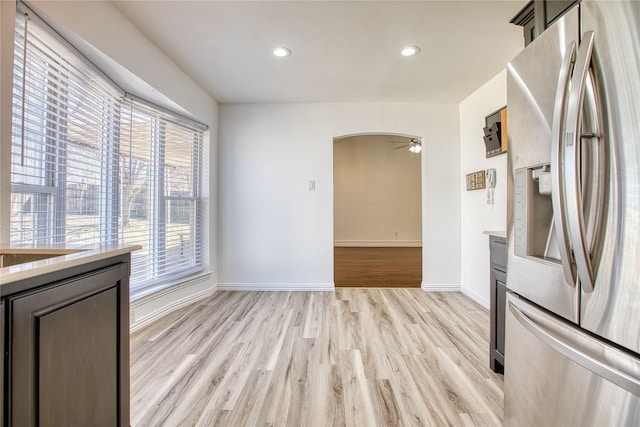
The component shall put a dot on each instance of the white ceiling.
(343, 51)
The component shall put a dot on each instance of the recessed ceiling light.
(410, 51)
(281, 51)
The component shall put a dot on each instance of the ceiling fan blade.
(402, 146)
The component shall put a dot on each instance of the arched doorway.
(377, 210)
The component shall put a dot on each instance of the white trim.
(430, 287)
(152, 307)
(476, 297)
(275, 286)
(378, 243)
(159, 289)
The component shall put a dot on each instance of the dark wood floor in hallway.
(377, 267)
(353, 357)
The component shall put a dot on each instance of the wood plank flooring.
(353, 357)
(377, 267)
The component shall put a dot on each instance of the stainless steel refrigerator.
(572, 354)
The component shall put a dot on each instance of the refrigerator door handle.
(571, 163)
(557, 189)
(600, 358)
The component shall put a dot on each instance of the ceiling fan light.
(415, 146)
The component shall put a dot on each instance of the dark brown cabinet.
(67, 350)
(538, 15)
(498, 298)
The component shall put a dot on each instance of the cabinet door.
(529, 30)
(555, 9)
(498, 253)
(498, 300)
(64, 353)
(501, 304)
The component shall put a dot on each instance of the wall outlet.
(312, 184)
(395, 234)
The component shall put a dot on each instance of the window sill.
(159, 289)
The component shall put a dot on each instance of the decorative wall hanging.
(476, 181)
(495, 132)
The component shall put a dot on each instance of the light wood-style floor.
(353, 357)
(377, 267)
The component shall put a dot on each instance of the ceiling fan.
(414, 144)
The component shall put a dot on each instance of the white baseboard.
(378, 243)
(275, 286)
(149, 308)
(430, 287)
(476, 297)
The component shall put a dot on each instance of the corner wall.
(477, 215)
(276, 234)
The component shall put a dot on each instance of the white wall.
(114, 44)
(477, 216)
(377, 197)
(275, 233)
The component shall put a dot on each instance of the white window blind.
(160, 177)
(65, 132)
(89, 166)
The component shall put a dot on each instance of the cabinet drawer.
(498, 252)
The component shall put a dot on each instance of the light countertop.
(496, 233)
(70, 256)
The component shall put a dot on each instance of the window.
(160, 174)
(89, 165)
(65, 131)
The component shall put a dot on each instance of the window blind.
(161, 208)
(90, 166)
(65, 137)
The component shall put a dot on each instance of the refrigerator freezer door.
(557, 375)
(534, 269)
(612, 310)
